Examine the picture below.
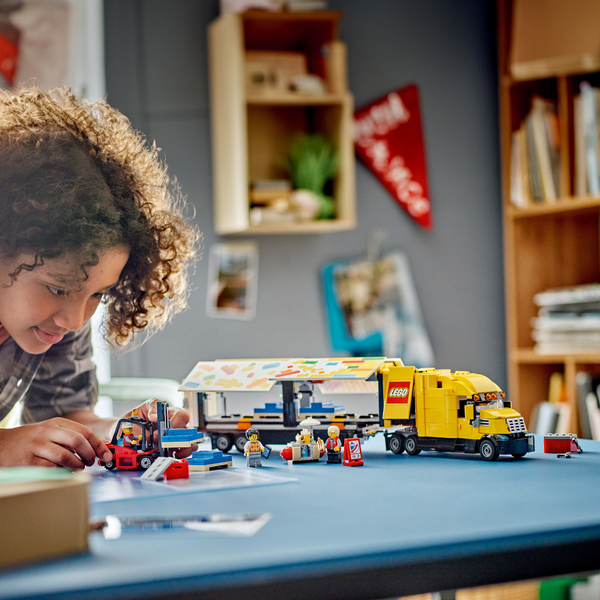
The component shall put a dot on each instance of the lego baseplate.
(113, 486)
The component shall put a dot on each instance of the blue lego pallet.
(182, 435)
(320, 407)
(270, 407)
(208, 457)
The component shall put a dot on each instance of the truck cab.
(429, 409)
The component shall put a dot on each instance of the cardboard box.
(42, 515)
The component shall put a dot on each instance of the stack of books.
(568, 320)
(586, 119)
(535, 156)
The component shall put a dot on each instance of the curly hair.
(76, 180)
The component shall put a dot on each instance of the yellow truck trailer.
(429, 409)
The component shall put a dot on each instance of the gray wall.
(157, 75)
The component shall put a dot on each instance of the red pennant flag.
(8, 59)
(389, 140)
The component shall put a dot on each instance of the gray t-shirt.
(53, 384)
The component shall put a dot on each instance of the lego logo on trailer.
(398, 392)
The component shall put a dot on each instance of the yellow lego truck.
(429, 409)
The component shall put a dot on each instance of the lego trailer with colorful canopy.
(209, 382)
(429, 409)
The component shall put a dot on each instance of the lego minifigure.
(128, 438)
(253, 448)
(305, 448)
(334, 445)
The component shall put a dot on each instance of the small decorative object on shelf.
(269, 72)
(312, 163)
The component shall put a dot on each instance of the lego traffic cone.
(352, 453)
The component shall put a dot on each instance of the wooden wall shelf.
(252, 131)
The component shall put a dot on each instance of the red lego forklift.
(137, 451)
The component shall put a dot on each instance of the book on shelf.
(589, 116)
(593, 412)
(580, 159)
(554, 414)
(573, 294)
(584, 388)
(588, 404)
(535, 156)
(550, 417)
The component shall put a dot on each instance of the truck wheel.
(240, 442)
(519, 455)
(396, 444)
(223, 442)
(145, 462)
(110, 465)
(488, 449)
(411, 445)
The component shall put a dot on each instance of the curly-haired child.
(88, 215)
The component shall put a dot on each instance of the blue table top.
(392, 520)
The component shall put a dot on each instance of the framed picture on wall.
(373, 310)
(232, 281)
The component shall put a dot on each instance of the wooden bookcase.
(251, 132)
(548, 244)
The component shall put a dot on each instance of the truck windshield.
(494, 404)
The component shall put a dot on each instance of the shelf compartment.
(305, 32)
(532, 377)
(271, 130)
(551, 254)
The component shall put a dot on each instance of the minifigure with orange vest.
(254, 450)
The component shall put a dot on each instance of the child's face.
(45, 304)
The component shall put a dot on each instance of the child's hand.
(179, 419)
(57, 442)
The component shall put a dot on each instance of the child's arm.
(57, 442)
